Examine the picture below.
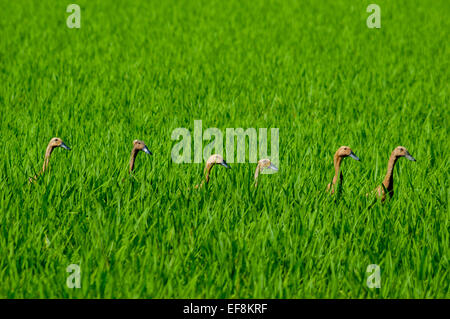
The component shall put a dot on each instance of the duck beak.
(64, 146)
(273, 167)
(224, 164)
(146, 150)
(352, 155)
(408, 156)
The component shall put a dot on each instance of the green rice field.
(141, 69)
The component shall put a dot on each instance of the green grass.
(139, 69)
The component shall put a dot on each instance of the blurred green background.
(140, 69)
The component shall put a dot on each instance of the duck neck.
(208, 170)
(134, 153)
(48, 153)
(389, 178)
(337, 167)
(258, 170)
